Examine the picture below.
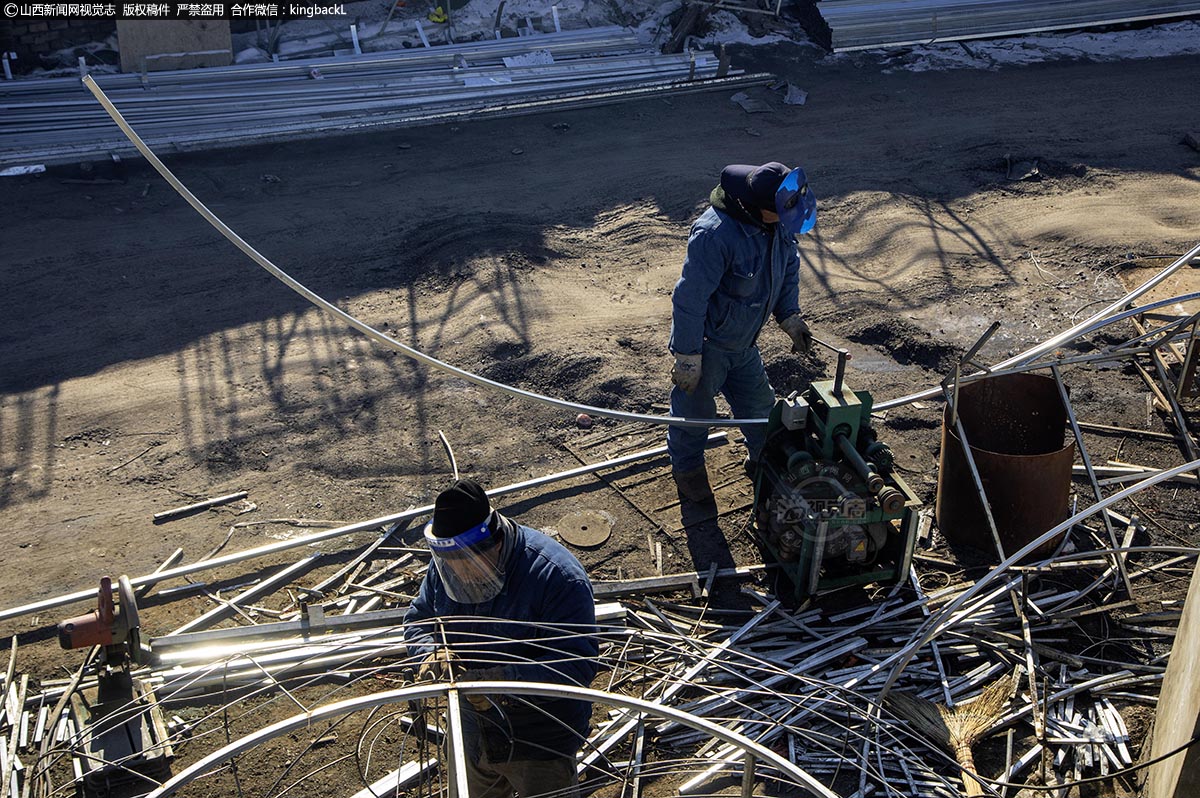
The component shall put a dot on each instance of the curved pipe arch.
(414, 693)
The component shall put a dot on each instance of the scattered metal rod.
(612, 483)
(1118, 560)
(1185, 432)
(732, 510)
(233, 609)
(135, 457)
(14, 700)
(651, 584)
(1168, 396)
(1189, 367)
(330, 534)
(168, 515)
(449, 455)
(951, 613)
(1113, 475)
(1125, 431)
(396, 781)
(1168, 403)
(266, 586)
(173, 558)
(390, 531)
(8, 676)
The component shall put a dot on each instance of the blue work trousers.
(741, 377)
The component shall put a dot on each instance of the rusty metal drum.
(1016, 427)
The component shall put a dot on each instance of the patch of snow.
(251, 55)
(650, 19)
(65, 62)
(654, 26)
(1177, 38)
(727, 28)
(476, 20)
(479, 16)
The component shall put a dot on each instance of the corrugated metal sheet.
(861, 24)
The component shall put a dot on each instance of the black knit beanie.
(458, 508)
(754, 186)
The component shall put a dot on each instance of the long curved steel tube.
(619, 415)
(363, 327)
(416, 693)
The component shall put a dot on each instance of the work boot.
(693, 485)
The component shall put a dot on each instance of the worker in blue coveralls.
(741, 268)
(504, 602)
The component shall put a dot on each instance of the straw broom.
(958, 729)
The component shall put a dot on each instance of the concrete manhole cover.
(585, 528)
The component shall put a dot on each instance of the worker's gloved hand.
(686, 372)
(498, 673)
(797, 330)
(438, 666)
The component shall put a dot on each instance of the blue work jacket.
(734, 276)
(547, 588)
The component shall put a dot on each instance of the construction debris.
(804, 681)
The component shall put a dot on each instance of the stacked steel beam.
(862, 24)
(56, 120)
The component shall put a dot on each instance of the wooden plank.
(1177, 719)
(139, 41)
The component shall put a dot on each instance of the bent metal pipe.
(363, 327)
(619, 415)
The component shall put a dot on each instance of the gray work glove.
(686, 372)
(438, 666)
(797, 330)
(498, 673)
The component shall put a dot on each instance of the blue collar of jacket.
(514, 541)
(749, 229)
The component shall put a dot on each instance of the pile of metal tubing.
(807, 683)
(57, 120)
(863, 24)
(696, 693)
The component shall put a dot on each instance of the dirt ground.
(147, 364)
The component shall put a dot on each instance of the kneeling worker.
(504, 602)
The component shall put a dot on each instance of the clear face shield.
(471, 564)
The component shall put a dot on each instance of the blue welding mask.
(795, 203)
